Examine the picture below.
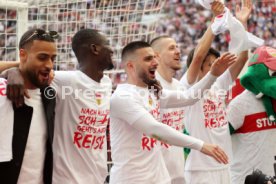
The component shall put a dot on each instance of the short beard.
(33, 78)
(151, 82)
(146, 80)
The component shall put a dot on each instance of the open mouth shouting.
(44, 76)
(152, 72)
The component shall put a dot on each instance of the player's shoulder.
(126, 92)
(124, 96)
(3, 80)
(65, 76)
(66, 73)
(3, 83)
(122, 89)
(106, 83)
(175, 81)
(245, 100)
(3, 88)
(106, 80)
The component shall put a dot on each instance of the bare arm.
(203, 46)
(172, 99)
(6, 65)
(236, 68)
(242, 15)
(200, 53)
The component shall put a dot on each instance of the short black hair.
(158, 38)
(211, 51)
(86, 37)
(133, 46)
(35, 34)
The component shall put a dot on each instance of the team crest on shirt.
(150, 101)
(99, 97)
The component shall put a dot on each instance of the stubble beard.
(33, 78)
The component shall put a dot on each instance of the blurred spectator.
(186, 21)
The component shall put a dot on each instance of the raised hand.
(217, 7)
(244, 12)
(222, 63)
(216, 152)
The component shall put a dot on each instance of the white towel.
(220, 24)
(6, 124)
(241, 40)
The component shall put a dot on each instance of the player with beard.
(83, 98)
(169, 63)
(6, 65)
(135, 131)
(26, 133)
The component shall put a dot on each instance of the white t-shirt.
(254, 143)
(136, 157)
(6, 125)
(174, 117)
(33, 162)
(206, 120)
(82, 115)
(135, 113)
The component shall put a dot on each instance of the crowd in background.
(186, 22)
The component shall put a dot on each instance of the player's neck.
(166, 74)
(28, 85)
(94, 73)
(136, 82)
(27, 82)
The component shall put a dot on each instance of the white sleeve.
(133, 112)
(225, 80)
(61, 81)
(6, 124)
(184, 81)
(174, 99)
(235, 115)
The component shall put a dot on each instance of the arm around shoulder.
(7, 65)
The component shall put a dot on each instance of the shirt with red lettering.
(82, 114)
(206, 120)
(254, 141)
(135, 113)
(137, 157)
(173, 117)
(6, 123)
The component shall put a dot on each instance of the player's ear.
(157, 55)
(129, 65)
(94, 49)
(23, 55)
